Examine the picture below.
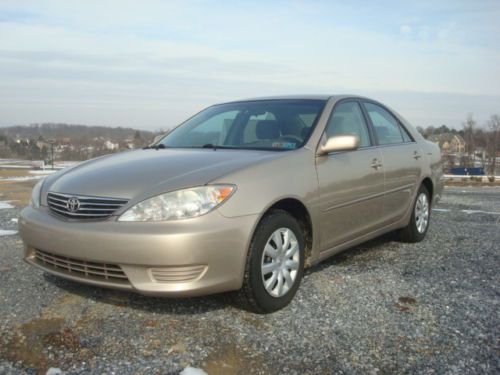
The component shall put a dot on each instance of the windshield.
(276, 125)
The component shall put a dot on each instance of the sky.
(152, 64)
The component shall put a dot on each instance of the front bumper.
(181, 258)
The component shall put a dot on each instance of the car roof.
(296, 97)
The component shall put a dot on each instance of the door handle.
(376, 164)
(417, 155)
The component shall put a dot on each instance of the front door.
(351, 183)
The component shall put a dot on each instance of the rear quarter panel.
(432, 165)
(433, 159)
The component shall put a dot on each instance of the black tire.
(410, 233)
(253, 296)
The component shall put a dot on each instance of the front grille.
(81, 268)
(83, 207)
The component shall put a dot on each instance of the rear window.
(386, 126)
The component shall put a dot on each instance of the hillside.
(77, 133)
(68, 142)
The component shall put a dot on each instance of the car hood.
(135, 175)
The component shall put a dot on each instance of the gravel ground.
(383, 307)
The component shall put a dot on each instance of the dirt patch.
(405, 303)
(234, 361)
(407, 300)
(31, 342)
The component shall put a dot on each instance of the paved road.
(383, 307)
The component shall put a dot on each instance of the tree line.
(482, 141)
(68, 142)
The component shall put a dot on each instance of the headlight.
(35, 194)
(180, 204)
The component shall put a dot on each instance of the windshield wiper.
(215, 147)
(155, 147)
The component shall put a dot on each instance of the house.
(42, 144)
(449, 143)
(108, 145)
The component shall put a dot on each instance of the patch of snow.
(54, 371)
(13, 166)
(7, 232)
(480, 212)
(5, 204)
(44, 171)
(23, 178)
(441, 209)
(192, 371)
(14, 220)
(458, 176)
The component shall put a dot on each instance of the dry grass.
(17, 192)
(4, 173)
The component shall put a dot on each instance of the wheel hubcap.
(280, 262)
(422, 212)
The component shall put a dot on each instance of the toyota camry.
(241, 197)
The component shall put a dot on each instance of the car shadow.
(203, 304)
(158, 305)
(359, 254)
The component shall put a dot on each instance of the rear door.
(351, 183)
(400, 159)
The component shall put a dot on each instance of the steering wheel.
(291, 138)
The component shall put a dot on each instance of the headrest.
(267, 129)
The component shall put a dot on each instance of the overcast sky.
(151, 64)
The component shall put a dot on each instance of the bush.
(491, 178)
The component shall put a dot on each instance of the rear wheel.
(275, 264)
(416, 229)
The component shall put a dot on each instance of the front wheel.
(275, 264)
(416, 229)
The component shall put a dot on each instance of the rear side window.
(386, 126)
(347, 119)
(406, 136)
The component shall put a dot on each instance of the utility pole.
(52, 141)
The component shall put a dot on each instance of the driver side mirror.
(339, 143)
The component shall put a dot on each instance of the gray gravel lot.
(383, 307)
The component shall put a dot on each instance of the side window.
(347, 119)
(386, 126)
(406, 136)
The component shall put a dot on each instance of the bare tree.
(469, 127)
(493, 142)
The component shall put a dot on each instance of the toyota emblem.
(73, 204)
